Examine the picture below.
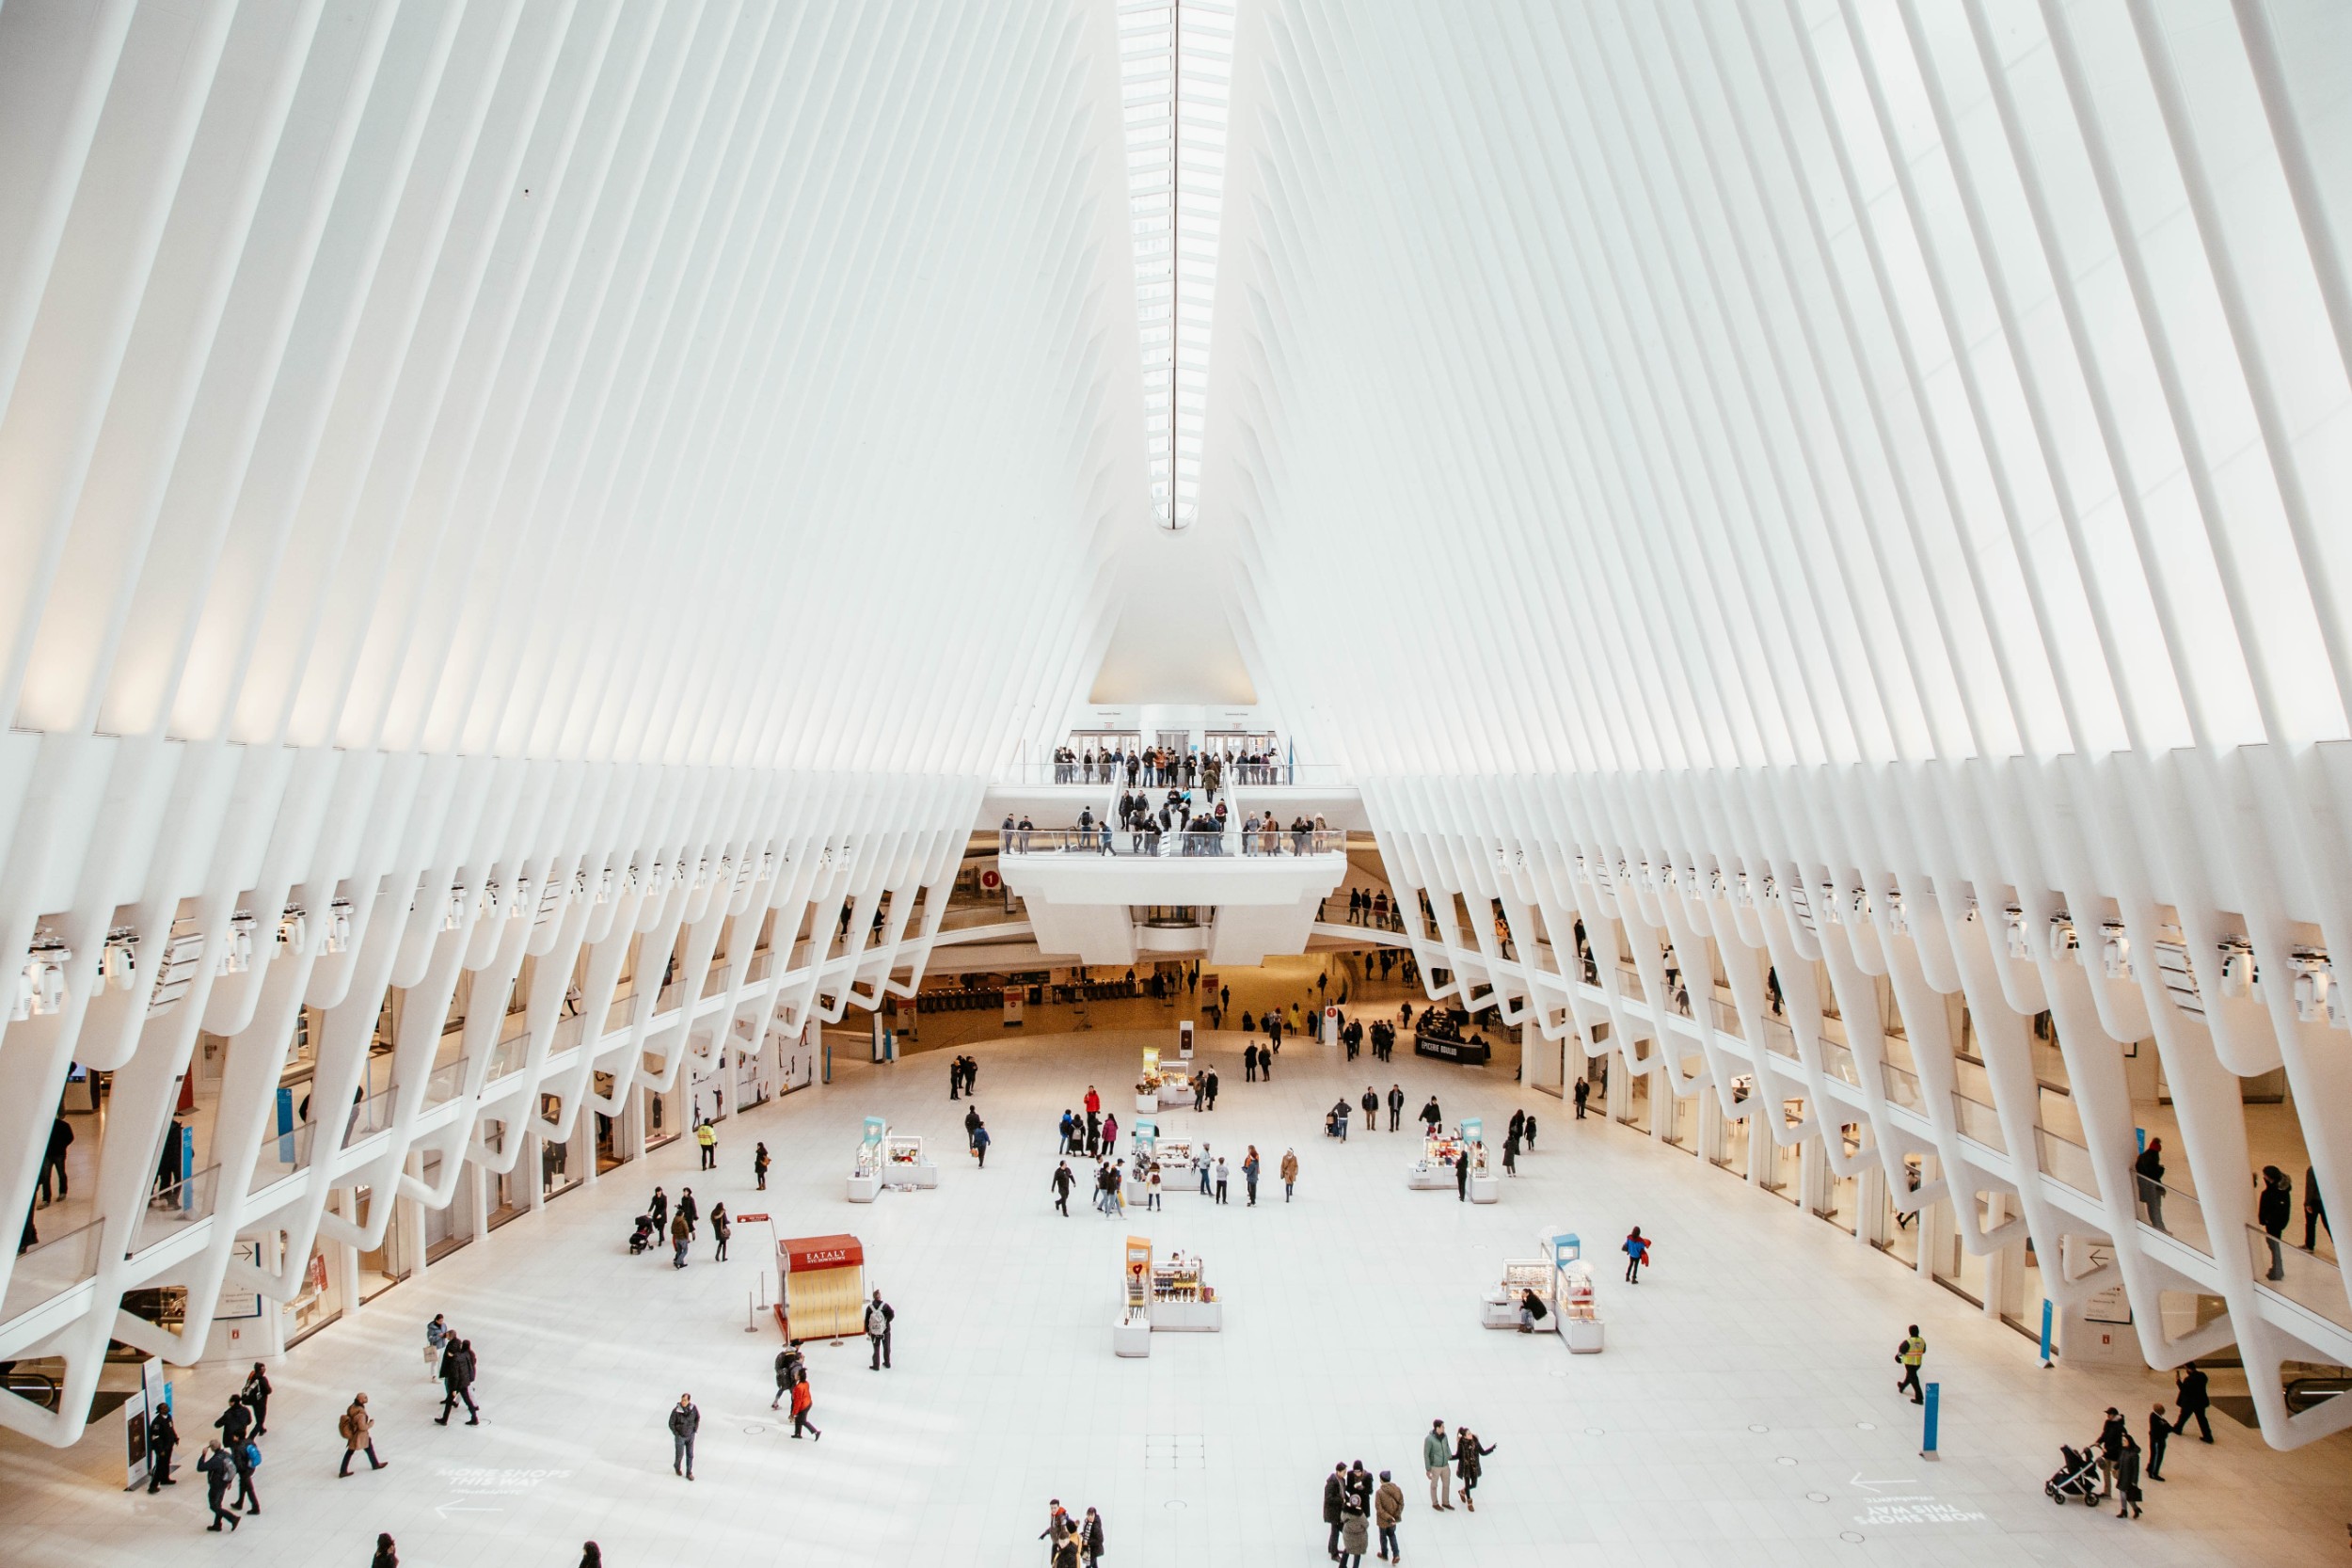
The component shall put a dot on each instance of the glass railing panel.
(48, 1269)
(1839, 1063)
(371, 1115)
(2065, 1161)
(283, 1154)
(1780, 1039)
(1902, 1087)
(2176, 1213)
(173, 1208)
(1978, 1121)
(2303, 1277)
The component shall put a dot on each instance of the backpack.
(252, 1456)
(343, 1426)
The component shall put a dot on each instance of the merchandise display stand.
(1572, 1302)
(1434, 1171)
(1501, 1307)
(1485, 1186)
(1142, 1154)
(865, 1176)
(1148, 1082)
(1183, 1301)
(1131, 1333)
(905, 1166)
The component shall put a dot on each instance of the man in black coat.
(2194, 1401)
(162, 1438)
(457, 1367)
(1334, 1505)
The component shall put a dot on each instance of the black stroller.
(2078, 1478)
(642, 1237)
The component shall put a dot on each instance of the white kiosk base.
(865, 1189)
(1131, 1339)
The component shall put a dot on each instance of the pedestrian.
(707, 1137)
(979, 1143)
(2148, 1175)
(437, 1331)
(720, 1226)
(1334, 1506)
(1461, 1174)
(1530, 1139)
(163, 1435)
(1388, 1507)
(256, 1395)
(591, 1555)
(787, 1368)
(955, 1079)
(879, 1316)
(2113, 1433)
(1248, 1064)
(1290, 1173)
(1437, 1459)
(1058, 1526)
(358, 1428)
(1584, 1092)
(1063, 1180)
(690, 1212)
(1511, 1152)
(388, 1552)
(2278, 1196)
(802, 1398)
(456, 1376)
(217, 1469)
(1913, 1351)
(1468, 1452)
(1352, 1535)
(1431, 1117)
(1396, 1104)
(759, 1166)
(1204, 1169)
(2159, 1434)
(1220, 1179)
(659, 1210)
(680, 1234)
(52, 1160)
(2128, 1479)
(1249, 1176)
(685, 1420)
(1090, 1539)
(1371, 1110)
(233, 1424)
(1068, 1127)
(1209, 1084)
(1110, 1137)
(1265, 1065)
(1636, 1251)
(2189, 1393)
(1152, 1187)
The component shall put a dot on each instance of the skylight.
(1176, 62)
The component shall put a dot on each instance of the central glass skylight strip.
(1176, 60)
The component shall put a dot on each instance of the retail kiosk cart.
(1500, 1307)
(822, 1280)
(1130, 1336)
(1485, 1186)
(904, 1163)
(1572, 1301)
(866, 1175)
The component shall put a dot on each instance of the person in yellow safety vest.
(1913, 1351)
(707, 1137)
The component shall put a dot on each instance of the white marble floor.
(1744, 1411)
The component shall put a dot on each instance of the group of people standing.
(1074, 1543)
(1353, 1507)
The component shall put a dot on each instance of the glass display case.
(1499, 1309)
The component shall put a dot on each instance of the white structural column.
(1836, 553)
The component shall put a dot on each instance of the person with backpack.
(759, 1166)
(878, 1320)
(1913, 1351)
(685, 1421)
(357, 1431)
(788, 1372)
(1636, 1251)
(457, 1367)
(236, 1428)
(217, 1468)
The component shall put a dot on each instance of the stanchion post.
(1927, 1438)
(2046, 1333)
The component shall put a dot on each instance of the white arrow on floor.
(1874, 1485)
(450, 1508)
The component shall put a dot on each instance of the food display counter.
(904, 1163)
(1434, 1171)
(1572, 1299)
(1500, 1308)
(1183, 1301)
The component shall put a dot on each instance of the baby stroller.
(642, 1237)
(2078, 1478)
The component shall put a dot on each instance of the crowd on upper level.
(1165, 767)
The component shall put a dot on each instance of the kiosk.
(1572, 1301)
(1501, 1307)
(1130, 1336)
(1183, 1301)
(1143, 1148)
(821, 1281)
(865, 1176)
(1485, 1186)
(905, 1166)
(1148, 1082)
